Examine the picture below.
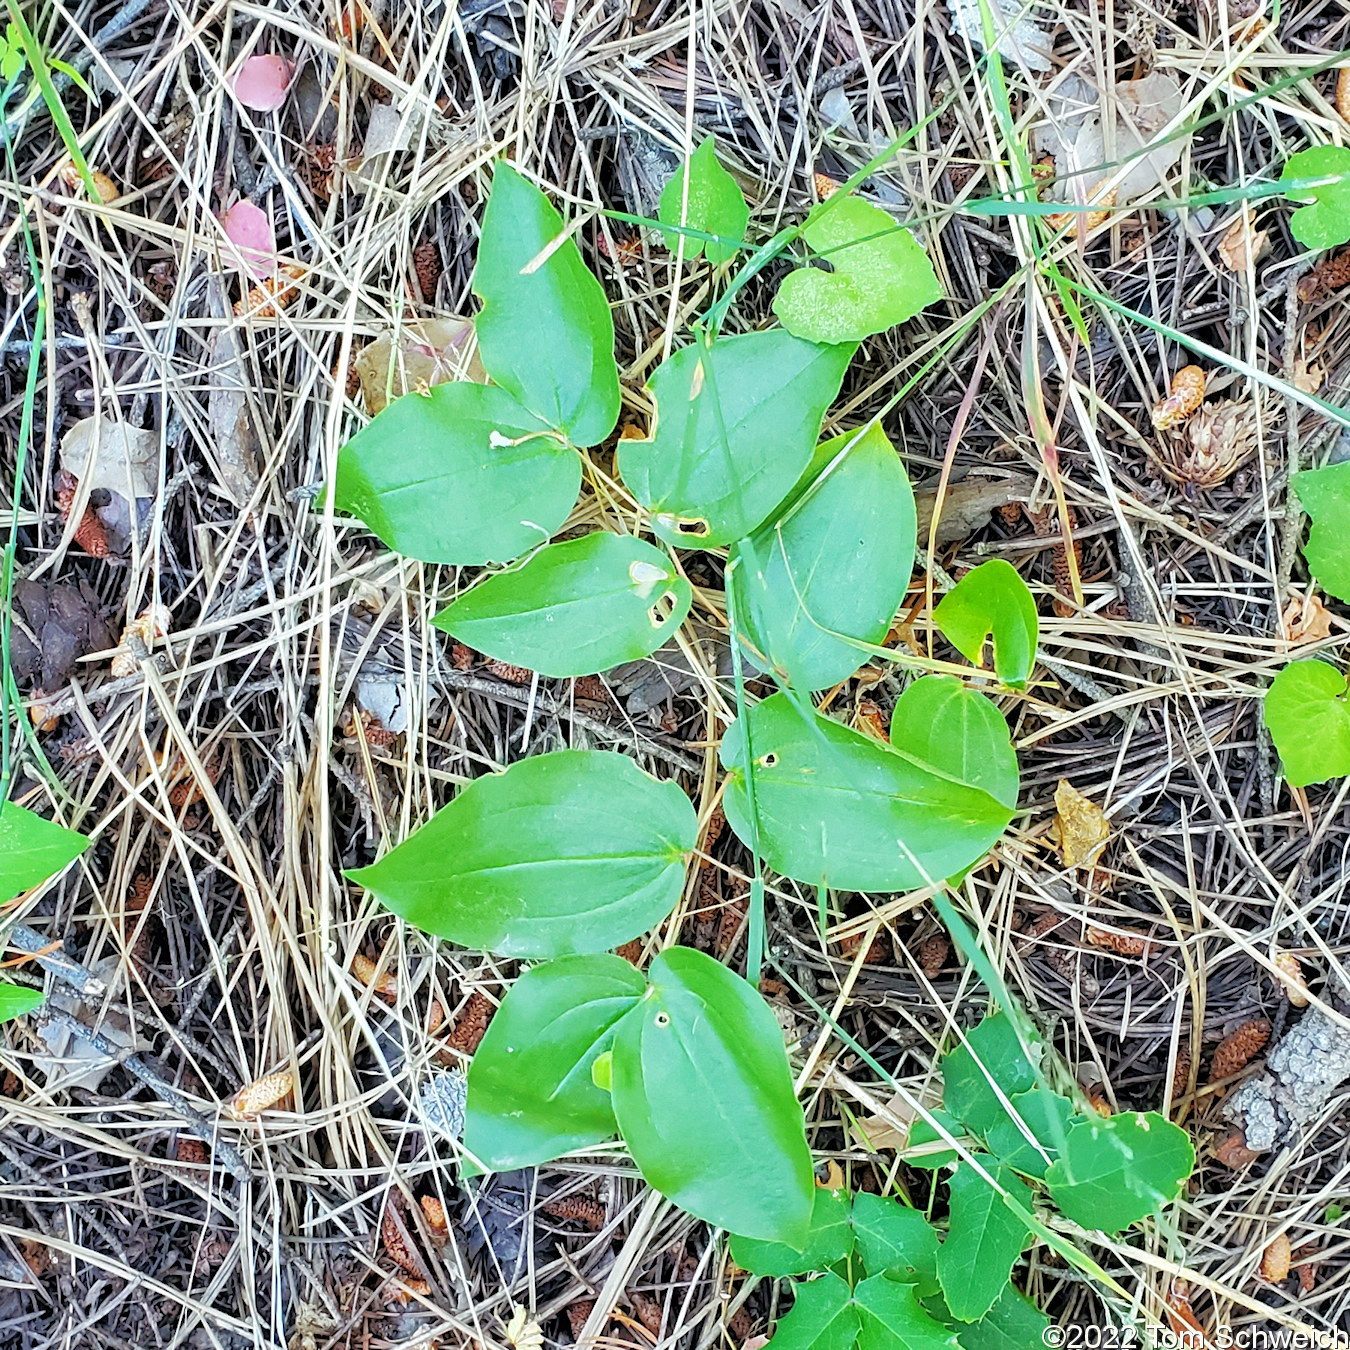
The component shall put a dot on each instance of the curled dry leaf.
(523, 1332)
(1242, 244)
(262, 82)
(1186, 394)
(1307, 620)
(261, 1095)
(1080, 828)
(1276, 1260)
(1291, 976)
(1102, 199)
(1238, 1047)
(381, 981)
(1308, 379)
(103, 453)
(152, 623)
(425, 352)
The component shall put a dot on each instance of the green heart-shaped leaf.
(716, 205)
(704, 1052)
(881, 276)
(15, 1000)
(829, 1239)
(1118, 1170)
(1325, 494)
(461, 474)
(835, 808)
(736, 422)
(1308, 718)
(32, 849)
(1326, 222)
(574, 608)
(992, 1052)
(833, 563)
(958, 730)
(897, 1240)
(992, 600)
(531, 1092)
(823, 1316)
(984, 1238)
(893, 1319)
(545, 333)
(575, 851)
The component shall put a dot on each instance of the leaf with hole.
(32, 849)
(531, 1092)
(1326, 222)
(880, 277)
(833, 563)
(836, 808)
(1116, 1171)
(736, 423)
(893, 1319)
(715, 205)
(545, 333)
(15, 1000)
(705, 1102)
(574, 851)
(984, 1237)
(960, 732)
(897, 1240)
(1308, 718)
(461, 474)
(1045, 1116)
(574, 608)
(992, 1051)
(829, 1239)
(823, 1316)
(1325, 494)
(992, 600)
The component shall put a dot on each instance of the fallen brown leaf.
(1080, 828)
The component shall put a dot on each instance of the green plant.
(567, 855)
(710, 213)
(1321, 177)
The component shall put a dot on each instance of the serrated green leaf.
(716, 205)
(1118, 1170)
(837, 808)
(984, 1238)
(880, 276)
(461, 474)
(575, 851)
(921, 1132)
(895, 1239)
(32, 849)
(829, 1239)
(1308, 718)
(992, 600)
(704, 1051)
(545, 333)
(1013, 1323)
(833, 563)
(959, 731)
(736, 423)
(531, 1091)
(1046, 1115)
(893, 1319)
(574, 608)
(1325, 494)
(1326, 222)
(993, 1052)
(15, 1000)
(823, 1316)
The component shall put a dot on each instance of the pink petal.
(250, 231)
(262, 82)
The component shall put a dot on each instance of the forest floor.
(292, 712)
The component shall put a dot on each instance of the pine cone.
(1236, 1049)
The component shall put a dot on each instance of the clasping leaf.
(1325, 494)
(1309, 720)
(992, 600)
(1326, 222)
(716, 205)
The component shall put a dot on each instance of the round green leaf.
(896, 1240)
(958, 730)
(992, 1052)
(833, 564)
(984, 1238)
(992, 600)
(836, 808)
(716, 205)
(1325, 494)
(575, 851)
(574, 608)
(893, 1319)
(545, 333)
(736, 422)
(461, 474)
(704, 1099)
(32, 849)
(1326, 222)
(15, 1000)
(830, 1239)
(823, 1316)
(531, 1089)
(1117, 1170)
(880, 276)
(1308, 718)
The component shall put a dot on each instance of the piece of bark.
(967, 505)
